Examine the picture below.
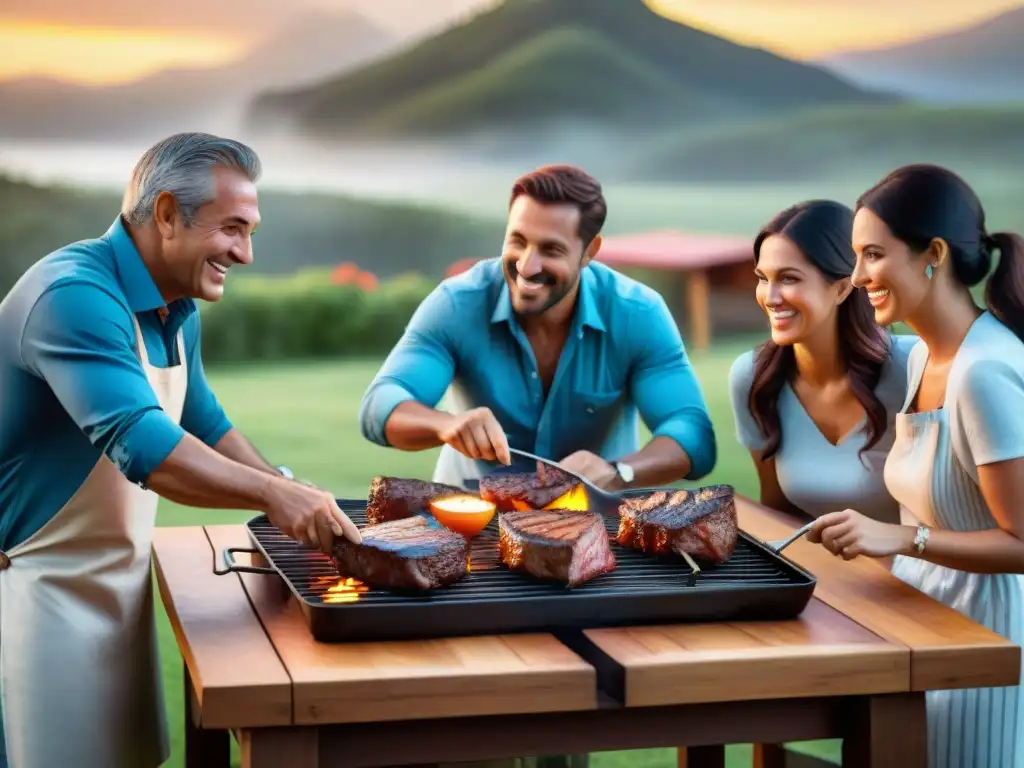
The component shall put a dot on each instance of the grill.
(756, 583)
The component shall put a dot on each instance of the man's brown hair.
(552, 184)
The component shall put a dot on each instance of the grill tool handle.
(778, 546)
(230, 566)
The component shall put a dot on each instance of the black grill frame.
(756, 584)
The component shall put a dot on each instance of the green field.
(298, 230)
(305, 416)
(831, 142)
(733, 207)
(730, 181)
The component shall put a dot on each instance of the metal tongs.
(599, 500)
(781, 544)
(606, 503)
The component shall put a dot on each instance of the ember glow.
(347, 590)
(342, 590)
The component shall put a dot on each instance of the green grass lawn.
(305, 416)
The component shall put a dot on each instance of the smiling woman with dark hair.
(957, 464)
(815, 403)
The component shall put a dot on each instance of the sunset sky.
(106, 41)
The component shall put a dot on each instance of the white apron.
(79, 668)
(975, 727)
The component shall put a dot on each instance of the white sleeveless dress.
(932, 472)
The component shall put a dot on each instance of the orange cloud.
(807, 29)
(106, 55)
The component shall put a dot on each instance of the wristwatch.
(625, 472)
(285, 471)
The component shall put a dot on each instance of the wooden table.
(854, 665)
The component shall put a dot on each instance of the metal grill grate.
(754, 583)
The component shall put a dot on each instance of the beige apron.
(79, 670)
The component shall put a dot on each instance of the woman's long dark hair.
(922, 202)
(822, 230)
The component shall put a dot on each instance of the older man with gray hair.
(105, 408)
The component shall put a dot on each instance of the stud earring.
(928, 271)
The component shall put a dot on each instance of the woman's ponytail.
(1004, 293)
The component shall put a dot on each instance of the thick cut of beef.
(702, 523)
(414, 554)
(567, 546)
(394, 498)
(526, 490)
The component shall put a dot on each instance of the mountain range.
(977, 64)
(535, 65)
(519, 72)
(315, 45)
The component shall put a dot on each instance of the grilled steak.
(526, 490)
(571, 547)
(412, 554)
(701, 523)
(393, 498)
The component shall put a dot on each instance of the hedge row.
(308, 316)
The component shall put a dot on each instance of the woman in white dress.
(957, 464)
(815, 404)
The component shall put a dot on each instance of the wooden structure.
(708, 280)
(855, 665)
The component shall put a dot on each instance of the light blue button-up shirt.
(73, 388)
(624, 360)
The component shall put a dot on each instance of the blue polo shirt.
(73, 386)
(624, 360)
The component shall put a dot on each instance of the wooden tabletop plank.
(405, 680)
(238, 678)
(947, 649)
(821, 653)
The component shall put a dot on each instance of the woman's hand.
(848, 533)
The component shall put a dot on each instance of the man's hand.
(593, 468)
(478, 435)
(309, 515)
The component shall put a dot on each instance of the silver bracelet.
(921, 537)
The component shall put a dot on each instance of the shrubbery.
(308, 316)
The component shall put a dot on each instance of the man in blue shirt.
(546, 351)
(549, 352)
(105, 406)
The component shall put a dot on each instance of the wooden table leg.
(203, 748)
(712, 756)
(294, 747)
(769, 756)
(887, 730)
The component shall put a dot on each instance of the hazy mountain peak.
(978, 63)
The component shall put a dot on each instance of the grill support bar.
(868, 741)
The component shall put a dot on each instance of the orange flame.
(574, 499)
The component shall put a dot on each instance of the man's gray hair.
(183, 166)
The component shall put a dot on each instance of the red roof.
(673, 250)
(665, 249)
